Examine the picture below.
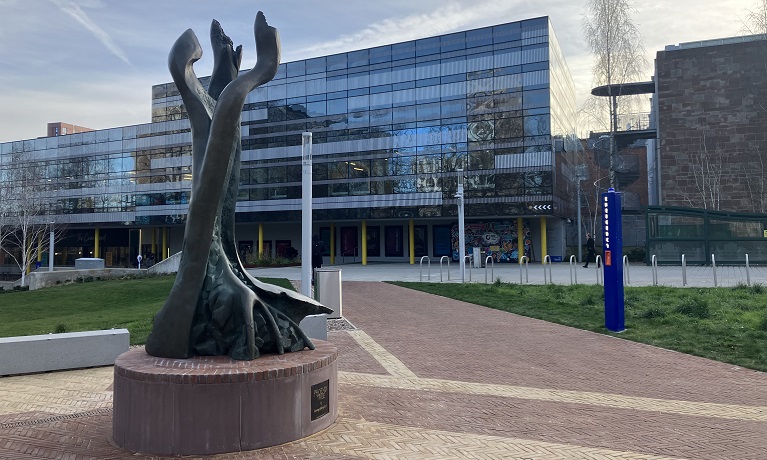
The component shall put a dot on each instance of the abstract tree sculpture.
(215, 307)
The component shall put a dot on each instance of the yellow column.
(260, 241)
(520, 240)
(364, 242)
(154, 240)
(543, 240)
(411, 240)
(96, 242)
(40, 248)
(164, 243)
(140, 242)
(332, 244)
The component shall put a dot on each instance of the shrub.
(763, 324)
(756, 288)
(653, 312)
(636, 254)
(589, 300)
(60, 329)
(694, 307)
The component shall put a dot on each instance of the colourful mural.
(497, 239)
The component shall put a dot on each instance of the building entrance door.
(349, 245)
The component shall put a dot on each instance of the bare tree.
(24, 223)
(755, 21)
(5, 209)
(619, 57)
(708, 163)
(754, 175)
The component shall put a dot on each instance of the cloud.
(73, 10)
(443, 20)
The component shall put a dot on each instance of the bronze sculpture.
(215, 306)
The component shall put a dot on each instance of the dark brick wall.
(712, 117)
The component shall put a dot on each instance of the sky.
(93, 62)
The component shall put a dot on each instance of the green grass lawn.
(725, 324)
(126, 303)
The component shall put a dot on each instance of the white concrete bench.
(70, 350)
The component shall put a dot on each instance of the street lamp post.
(306, 214)
(461, 229)
(580, 175)
(51, 251)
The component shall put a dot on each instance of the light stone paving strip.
(402, 381)
(382, 441)
(727, 411)
(389, 362)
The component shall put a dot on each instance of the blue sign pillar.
(612, 259)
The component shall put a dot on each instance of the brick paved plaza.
(424, 377)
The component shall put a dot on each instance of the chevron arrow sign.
(540, 207)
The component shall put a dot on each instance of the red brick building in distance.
(712, 125)
(62, 129)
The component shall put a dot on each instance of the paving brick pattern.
(426, 377)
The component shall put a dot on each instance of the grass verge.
(124, 303)
(724, 324)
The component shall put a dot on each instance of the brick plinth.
(213, 404)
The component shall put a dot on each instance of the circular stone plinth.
(214, 404)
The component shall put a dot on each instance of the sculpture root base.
(213, 404)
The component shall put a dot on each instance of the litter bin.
(327, 289)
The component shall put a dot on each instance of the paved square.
(425, 377)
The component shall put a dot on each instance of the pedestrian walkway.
(533, 273)
(426, 377)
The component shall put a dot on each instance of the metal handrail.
(573, 262)
(440, 267)
(600, 272)
(626, 266)
(684, 270)
(654, 263)
(547, 257)
(527, 275)
(471, 258)
(420, 268)
(748, 272)
(492, 268)
(353, 253)
(713, 267)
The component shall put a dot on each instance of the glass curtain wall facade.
(392, 125)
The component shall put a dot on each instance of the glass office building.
(393, 127)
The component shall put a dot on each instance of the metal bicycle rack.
(626, 266)
(440, 267)
(600, 273)
(420, 268)
(654, 263)
(573, 262)
(684, 270)
(492, 267)
(471, 258)
(545, 265)
(526, 260)
(713, 267)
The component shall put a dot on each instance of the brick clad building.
(711, 106)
